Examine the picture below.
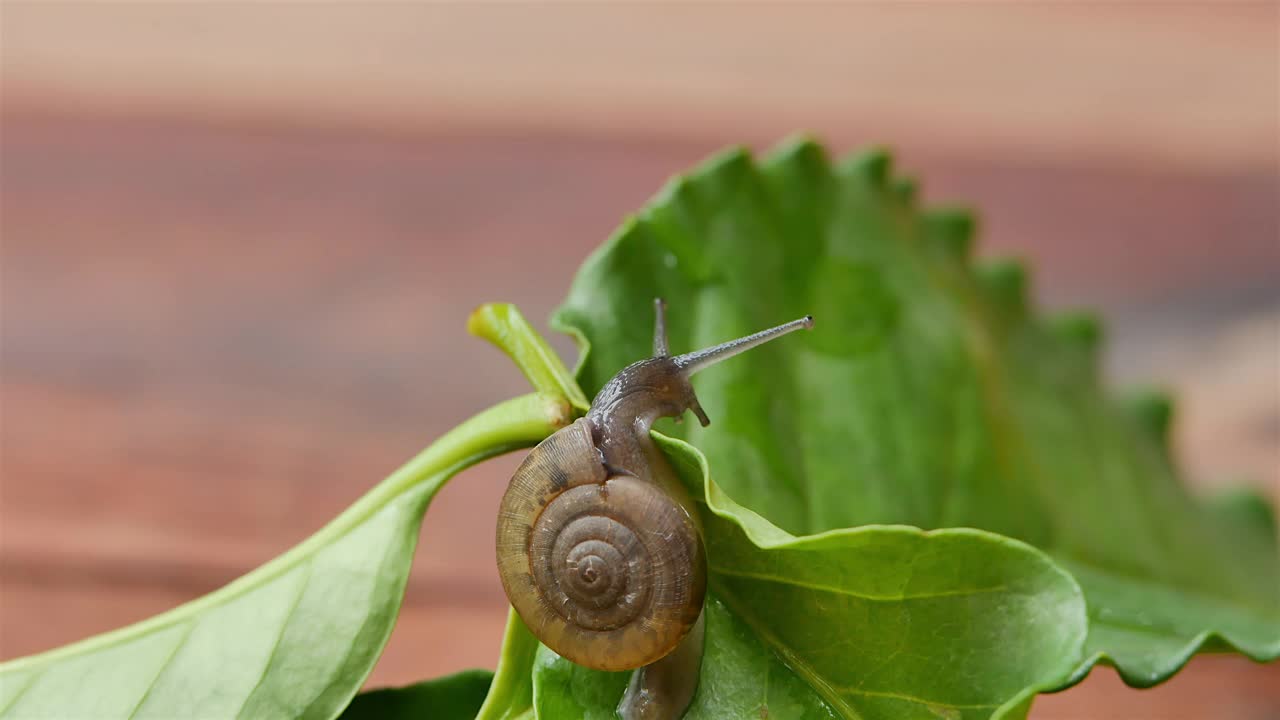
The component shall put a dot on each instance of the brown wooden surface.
(234, 283)
(1179, 83)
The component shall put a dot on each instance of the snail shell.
(607, 571)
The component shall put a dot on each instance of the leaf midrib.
(799, 665)
(35, 675)
(284, 626)
(177, 646)
(387, 557)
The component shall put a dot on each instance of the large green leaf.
(293, 639)
(773, 655)
(930, 394)
(869, 622)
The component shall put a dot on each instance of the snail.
(599, 547)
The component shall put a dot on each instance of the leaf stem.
(512, 690)
(504, 326)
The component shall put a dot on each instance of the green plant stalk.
(504, 326)
(511, 694)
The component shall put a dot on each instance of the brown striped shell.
(609, 572)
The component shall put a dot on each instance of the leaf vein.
(339, 670)
(31, 681)
(800, 664)
(160, 671)
(912, 698)
(284, 625)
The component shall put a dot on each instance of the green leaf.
(870, 622)
(930, 394)
(740, 678)
(566, 690)
(455, 697)
(296, 637)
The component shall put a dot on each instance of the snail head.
(659, 386)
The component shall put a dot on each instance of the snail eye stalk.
(660, 347)
(691, 363)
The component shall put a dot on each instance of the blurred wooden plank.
(215, 338)
(1193, 84)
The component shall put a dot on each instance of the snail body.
(598, 545)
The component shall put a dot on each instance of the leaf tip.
(952, 230)
(482, 321)
(1004, 281)
(905, 190)
(1246, 507)
(1078, 327)
(801, 148)
(1153, 410)
(732, 158)
(502, 325)
(875, 165)
(801, 143)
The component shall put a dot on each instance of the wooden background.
(240, 241)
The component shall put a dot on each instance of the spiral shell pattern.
(609, 572)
